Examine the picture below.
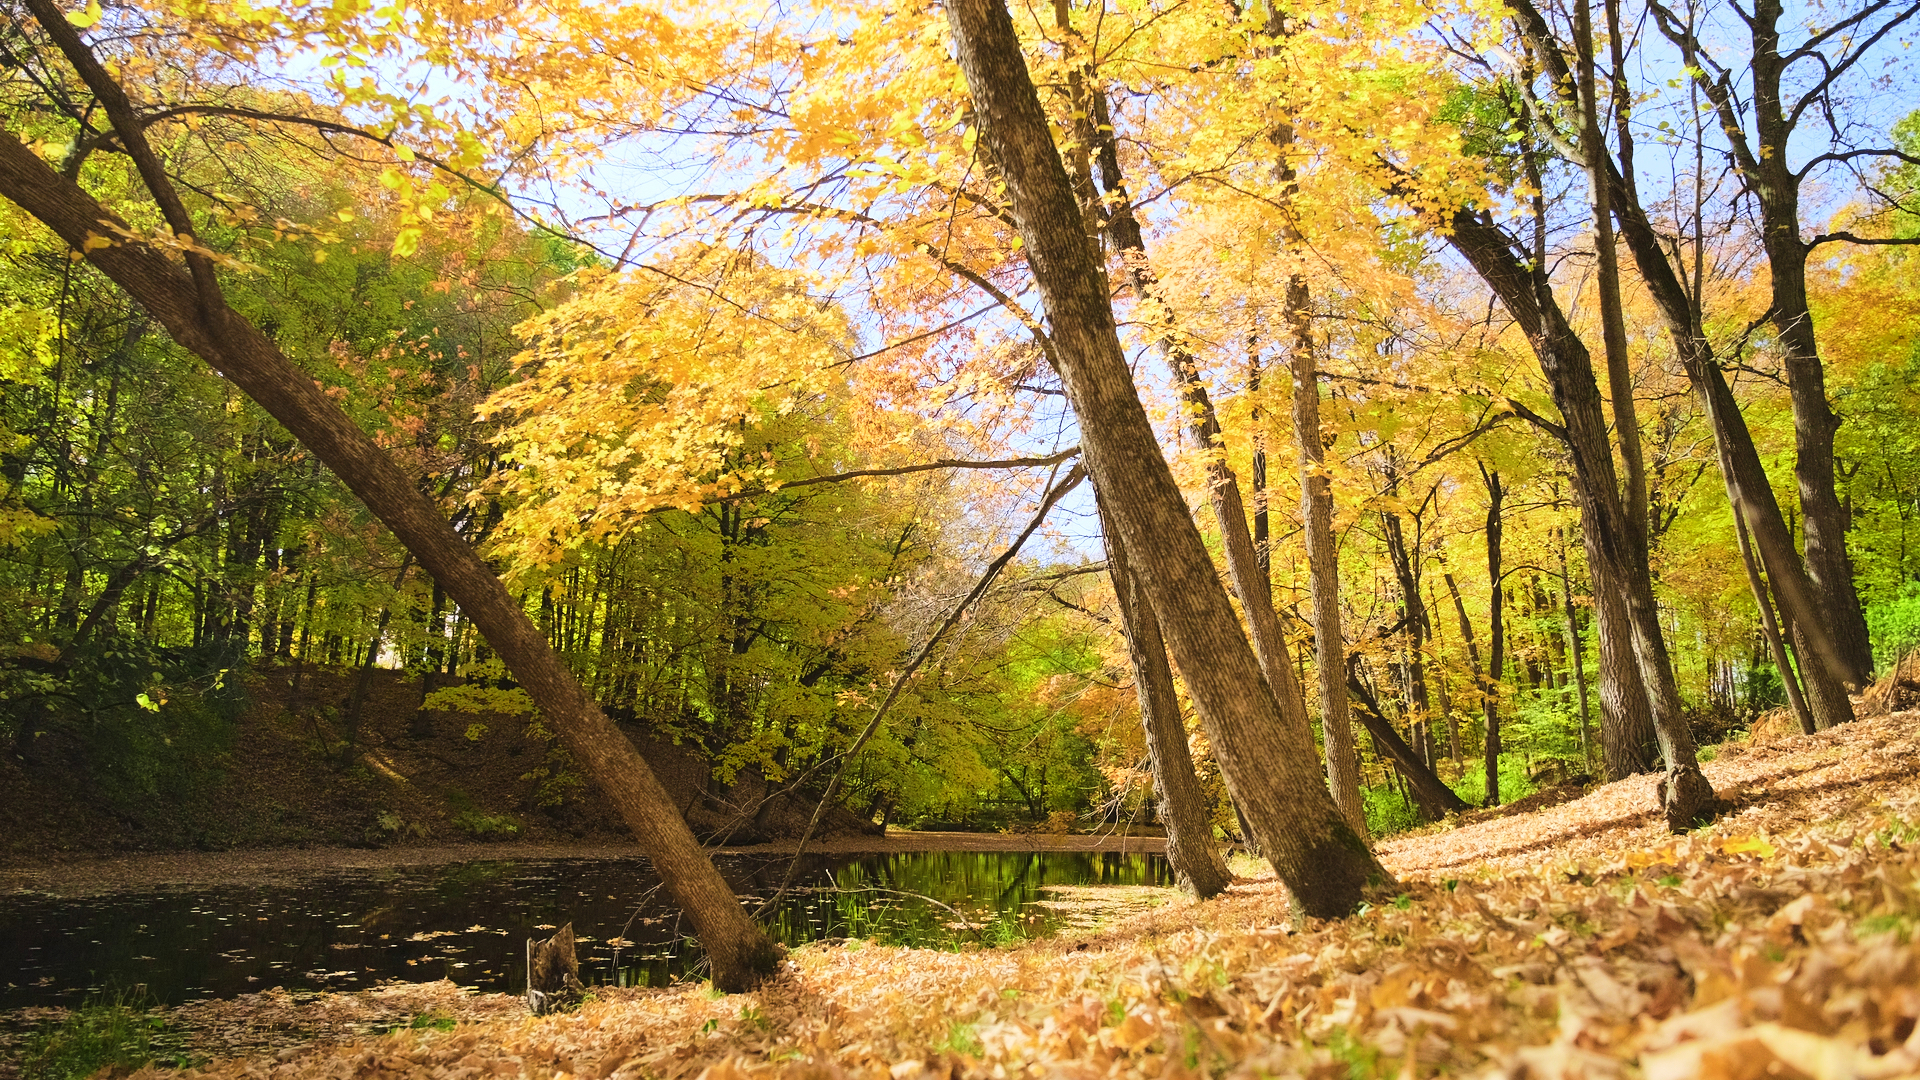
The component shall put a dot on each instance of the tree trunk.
(1496, 633)
(1435, 798)
(199, 319)
(1770, 628)
(1323, 567)
(1324, 863)
(1191, 850)
(1246, 560)
(1523, 289)
(1577, 652)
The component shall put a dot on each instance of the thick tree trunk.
(1626, 721)
(1191, 849)
(739, 951)
(1325, 864)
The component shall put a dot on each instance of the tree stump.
(553, 973)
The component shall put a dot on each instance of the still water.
(469, 921)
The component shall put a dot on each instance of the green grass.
(117, 1030)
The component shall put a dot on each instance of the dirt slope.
(288, 778)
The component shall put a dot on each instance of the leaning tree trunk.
(1686, 797)
(1191, 850)
(1246, 566)
(1777, 189)
(1435, 798)
(200, 320)
(1324, 863)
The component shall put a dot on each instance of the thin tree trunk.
(1496, 633)
(1613, 326)
(1770, 628)
(1191, 850)
(1325, 864)
(191, 307)
(1323, 566)
(1577, 650)
(1247, 564)
(364, 682)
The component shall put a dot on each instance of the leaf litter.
(1580, 941)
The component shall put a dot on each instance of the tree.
(1324, 863)
(1762, 155)
(191, 304)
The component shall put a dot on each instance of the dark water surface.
(469, 921)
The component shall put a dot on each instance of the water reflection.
(468, 921)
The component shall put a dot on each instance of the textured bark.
(1770, 628)
(1191, 850)
(740, 952)
(1246, 561)
(1435, 798)
(1626, 719)
(1686, 797)
(1577, 652)
(1324, 863)
(1496, 633)
(1323, 565)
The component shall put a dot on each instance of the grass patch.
(117, 1031)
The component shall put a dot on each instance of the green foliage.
(1894, 624)
(1515, 780)
(434, 1020)
(1388, 811)
(480, 824)
(117, 1031)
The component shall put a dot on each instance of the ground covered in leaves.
(1579, 941)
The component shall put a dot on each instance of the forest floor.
(1581, 940)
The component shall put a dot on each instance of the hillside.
(280, 776)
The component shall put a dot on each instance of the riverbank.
(82, 874)
(1576, 941)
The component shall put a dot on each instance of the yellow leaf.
(84, 19)
(1747, 845)
(406, 242)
